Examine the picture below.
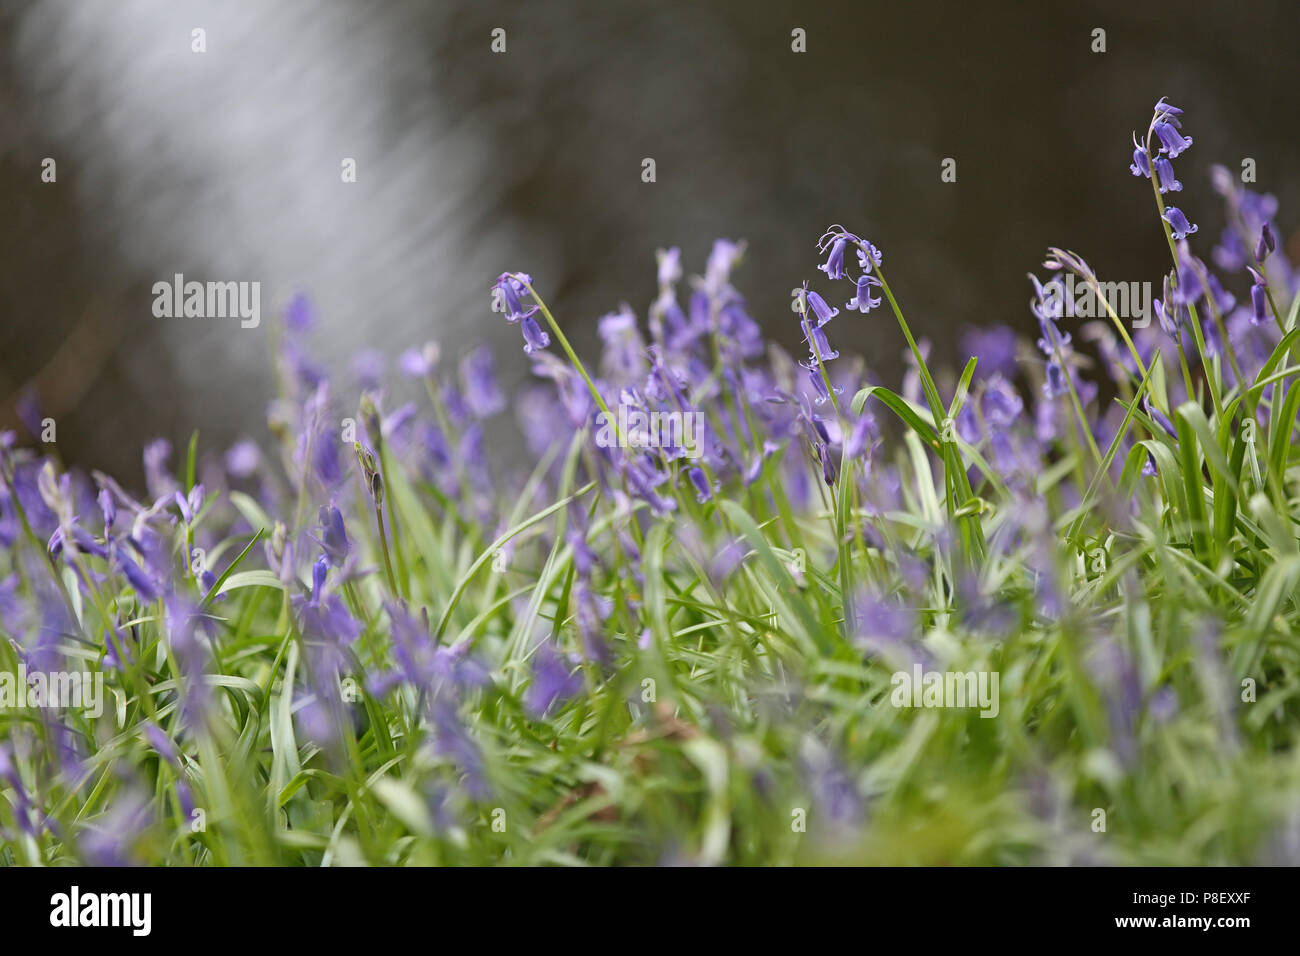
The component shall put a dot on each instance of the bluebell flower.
(534, 338)
(818, 346)
(830, 468)
(1223, 300)
(1141, 165)
(158, 479)
(834, 264)
(670, 266)
(1191, 287)
(508, 290)
(146, 588)
(1172, 142)
(869, 255)
(1178, 223)
(483, 397)
(325, 618)
(419, 363)
(863, 301)
(994, 347)
(299, 314)
(1258, 298)
(820, 393)
(108, 508)
(1172, 314)
(703, 491)
(1000, 404)
(623, 356)
(333, 536)
(1265, 245)
(1165, 175)
(555, 680)
(1159, 417)
(1168, 112)
(1055, 385)
(242, 459)
(742, 338)
(717, 271)
(1230, 254)
(820, 308)
(861, 436)
(1166, 126)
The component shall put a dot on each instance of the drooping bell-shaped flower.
(703, 491)
(1165, 175)
(1265, 245)
(863, 301)
(834, 264)
(1141, 165)
(534, 338)
(1172, 142)
(818, 346)
(509, 287)
(1258, 298)
(1178, 223)
(820, 307)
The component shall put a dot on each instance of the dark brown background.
(471, 163)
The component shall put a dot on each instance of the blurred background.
(225, 165)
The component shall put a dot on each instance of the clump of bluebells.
(377, 642)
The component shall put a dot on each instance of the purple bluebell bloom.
(1230, 254)
(554, 681)
(333, 536)
(869, 255)
(818, 346)
(834, 264)
(242, 458)
(299, 314)
(1265, 245)
(1172, 314)
(995, 348)
(861, 436)
(157, 478)
(1178, 223)
(819, 390)
(508, 290)
(1141, 165)
(1258, 298)
(722, 259)
(1055, 384)
(1160, 418)
(819, 307)
(703, 492)
(670, 266)
(862, 300)
(419, 363)
(1165, 175)
(1172, 142)
(483, 397)
(534, 338)
(1223, 300)
(146, 588)
(1191, 288)
(623, 355)
(1000, 404)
